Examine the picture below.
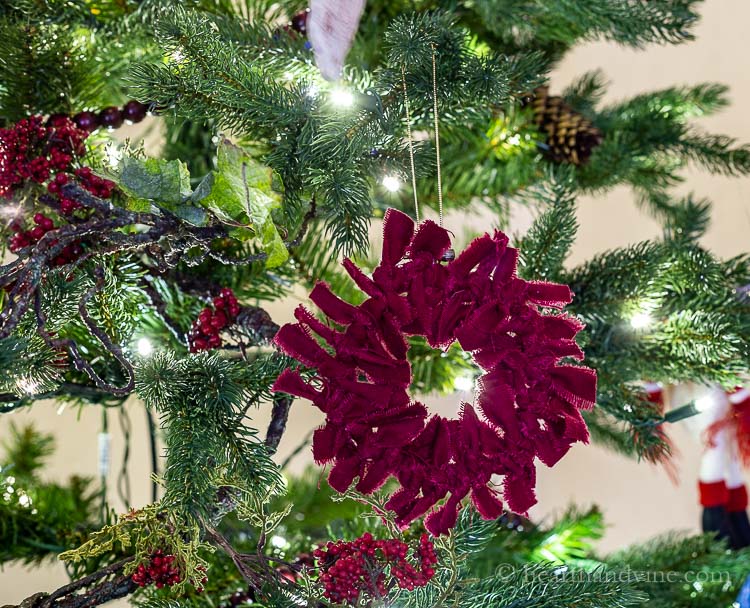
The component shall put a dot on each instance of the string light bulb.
(703, 403)
(342, 98)
(28, 386)
(144, 346)
(641, 320)
(391, 183)
(178, 56)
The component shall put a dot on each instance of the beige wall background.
(638, 500)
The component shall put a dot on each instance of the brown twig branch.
(166, 241)
(79, 361)
(282, 403)
(255, 568)
(238, 559)
(96, 592)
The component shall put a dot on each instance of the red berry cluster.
(159, 571)
(351, 568)
(30, 150)
(40, 152)
(24, 238)
(98, 186)
(203, 581)
(205, 331)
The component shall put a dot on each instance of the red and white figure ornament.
(722, 424)
(722, 489)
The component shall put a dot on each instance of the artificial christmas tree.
(135, 276)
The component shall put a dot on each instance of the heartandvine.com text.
(533, 573)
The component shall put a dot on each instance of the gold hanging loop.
(437, 135)
(411, 144)
(449, 254)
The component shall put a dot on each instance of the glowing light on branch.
(144, 346)
(391, 183)
(641, 320)
(342, 98)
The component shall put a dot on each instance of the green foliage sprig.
(202, 401)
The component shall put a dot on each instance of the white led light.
(702, 404)
(463, 383)
(641, 320)
(145, 348)
(342, 98)
(27, 385)
(391, 183)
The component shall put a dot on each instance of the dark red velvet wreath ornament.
(527, 404)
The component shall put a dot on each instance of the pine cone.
(571, 138)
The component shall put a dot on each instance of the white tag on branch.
(331, 27)
(104, 441)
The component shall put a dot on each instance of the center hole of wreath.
(440, 371)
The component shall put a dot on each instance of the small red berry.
(67, 206)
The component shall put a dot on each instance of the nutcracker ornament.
(723, 494)
(723, 424)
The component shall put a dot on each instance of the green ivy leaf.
(166, 182)
(153, 181)
(240, 194)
